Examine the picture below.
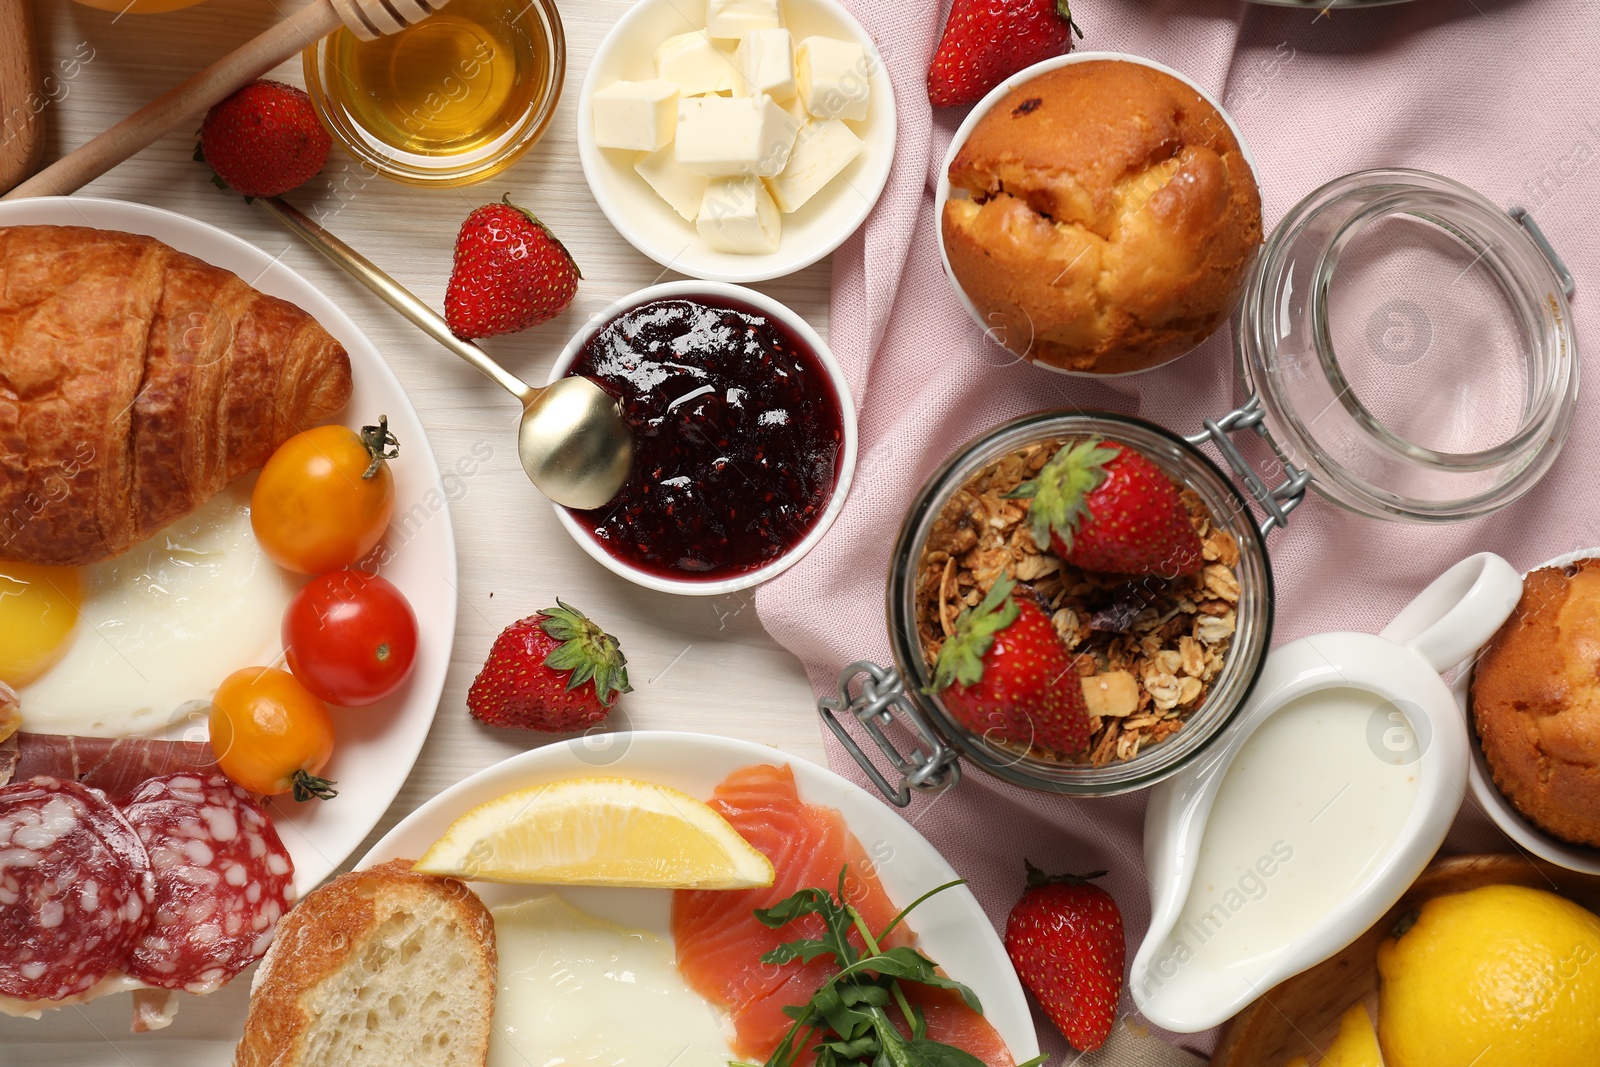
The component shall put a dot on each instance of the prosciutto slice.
(113, 765)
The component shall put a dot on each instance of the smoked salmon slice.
(720, 943)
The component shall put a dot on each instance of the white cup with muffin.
(1098, 214)
(1532, 701)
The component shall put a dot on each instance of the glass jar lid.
(1411, 346)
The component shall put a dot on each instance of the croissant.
(136, 382)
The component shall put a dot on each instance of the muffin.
(1536, 702)
(1101, 218)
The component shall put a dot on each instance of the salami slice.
(223, 879)
(75, 888)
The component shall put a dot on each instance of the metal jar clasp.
(1277, 501)
(876, 701)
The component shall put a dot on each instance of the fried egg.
(38, 612)
(578, 991)
(156, 629)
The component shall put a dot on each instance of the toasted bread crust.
(316, 941)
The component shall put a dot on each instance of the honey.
(455, 98)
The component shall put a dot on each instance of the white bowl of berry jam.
(744, 437)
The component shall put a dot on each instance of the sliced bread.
(377, 968)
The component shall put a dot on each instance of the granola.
(1146, 648)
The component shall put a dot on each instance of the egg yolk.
(38, 611)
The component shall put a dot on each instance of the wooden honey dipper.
(367, 19)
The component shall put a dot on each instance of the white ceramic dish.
(376, 746)
(941, 191)
(1504, 813)
(847, 452)
(652, 226)
(952, 929)
(1402, 666)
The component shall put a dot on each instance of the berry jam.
(736, 437)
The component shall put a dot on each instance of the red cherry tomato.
(351, 638)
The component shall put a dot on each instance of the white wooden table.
(701, 664)
(695, 664)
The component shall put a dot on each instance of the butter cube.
(822, 150)
(797, 111)
(696, 64)
(766, 64)
(672, 183)
(724, 137)
(638, 115)
(735, 18)
(832, 77)
(738, 215)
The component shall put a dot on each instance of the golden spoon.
(572, 441)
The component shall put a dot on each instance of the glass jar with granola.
(1077, 602)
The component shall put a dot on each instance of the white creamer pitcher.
(1331, 791)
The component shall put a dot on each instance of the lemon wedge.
(598, 831)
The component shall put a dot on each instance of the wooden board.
(1300, 1017)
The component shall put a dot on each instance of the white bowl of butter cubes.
(736, 140)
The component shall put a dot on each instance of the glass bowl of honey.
(454, 99)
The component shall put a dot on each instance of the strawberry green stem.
(960, 659)
(1064, 9)
(586, 651)
(1038, 878)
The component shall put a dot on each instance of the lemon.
(1501, 976)
(1357, 1043)
(598, 831)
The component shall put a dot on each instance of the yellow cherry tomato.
(325, 497)
(271, 735)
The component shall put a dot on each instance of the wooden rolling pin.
(367, 19)
(21, 132)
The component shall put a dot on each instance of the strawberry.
(987, 41)
(264, 140)
(510, 273)
(1065, 939)
(555, 671)
(1004, 674)
(1101, 506)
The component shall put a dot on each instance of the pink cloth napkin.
(1499, 94)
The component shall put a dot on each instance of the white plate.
(952, 929)
(1499, 807)
(376, 746)
(652, 226)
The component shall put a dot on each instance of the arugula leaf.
(913, 966)
(803, 949)
(805, 902)
(853, 1050)
(849, 1014)
(836, 918)
(874, 995)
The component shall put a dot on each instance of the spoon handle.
(395, 295)
(181, 106)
